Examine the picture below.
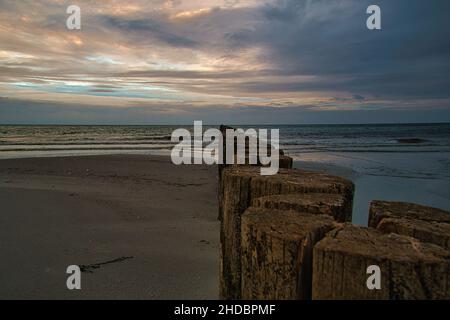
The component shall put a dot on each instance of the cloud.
(329, 39)
(32, 112)
(206, 54)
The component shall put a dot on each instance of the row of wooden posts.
(289, 236)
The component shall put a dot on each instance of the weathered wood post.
(240, 185)
(277, 248)
(424, 223)
(285, 162)
(409, 269)
(339, 206)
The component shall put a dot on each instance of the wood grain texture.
(410, 269)
(336, 205)
(277, 253)
(424, 223)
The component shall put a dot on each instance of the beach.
(109, 199)
(140, 227)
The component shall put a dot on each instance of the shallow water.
(410, 177)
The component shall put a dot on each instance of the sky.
(224, 61)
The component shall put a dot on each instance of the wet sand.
(141, 228)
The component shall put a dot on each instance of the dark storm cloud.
(409, 56)
(144, 30)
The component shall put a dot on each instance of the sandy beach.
(141, 227)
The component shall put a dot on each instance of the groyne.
(289, 236)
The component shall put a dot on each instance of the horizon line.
(231, 124)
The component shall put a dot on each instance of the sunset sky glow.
(254, 61)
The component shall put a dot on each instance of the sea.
(405, 162)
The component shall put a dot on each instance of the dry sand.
(160, 218)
